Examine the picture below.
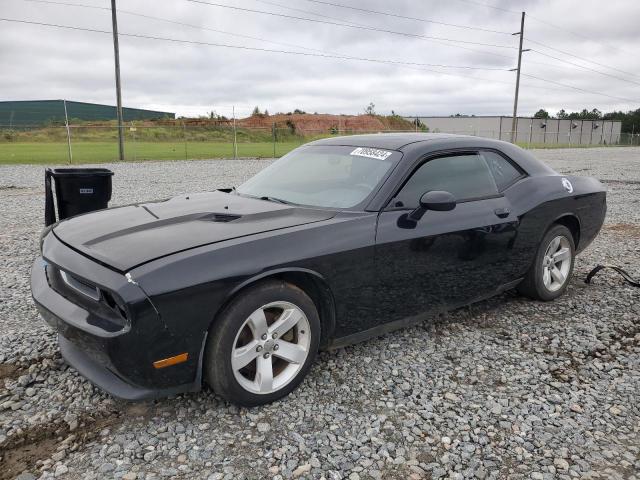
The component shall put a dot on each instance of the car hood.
(129, 236)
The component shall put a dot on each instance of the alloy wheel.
(271, 347)
(556, 263)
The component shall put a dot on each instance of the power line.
(309, 12)
(174, 22)
(95, 7)
(465, 1)
(583, 67)
(407, 65)
(579, 35)
(481, 4)
(195, 42)
(580, 89)
(258, 49)
(350, 25)
(475, 50)
(359, 24)
(340, 57)
(288, 44)
(127, 12)
(418, 19)
(581, 58)
(199, 27)
(544, 22)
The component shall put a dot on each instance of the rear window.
(503, 171)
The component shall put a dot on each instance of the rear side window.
(503, 171)
(465, 176)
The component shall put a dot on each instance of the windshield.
(322, 176)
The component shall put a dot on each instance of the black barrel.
(78, 190)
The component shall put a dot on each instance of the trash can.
(78, 190)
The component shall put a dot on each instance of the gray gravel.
(507, 388)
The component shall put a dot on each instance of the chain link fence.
(544, 139)
(85, 143)
(98, 143)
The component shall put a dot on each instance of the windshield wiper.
(264, 197)
(278, 200)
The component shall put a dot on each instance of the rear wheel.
(549, 275)
(263, 344)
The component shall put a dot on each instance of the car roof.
(414, 145)
(391, 141)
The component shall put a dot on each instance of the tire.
(542, 281)
(245, 331)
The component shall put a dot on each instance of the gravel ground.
(507, 388)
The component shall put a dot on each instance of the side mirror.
(435, 200)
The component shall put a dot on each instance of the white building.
(529, 130)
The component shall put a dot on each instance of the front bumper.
(104, 378)
(119, 362)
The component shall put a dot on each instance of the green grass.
(99, 143)
(55, 153)
(100, 152)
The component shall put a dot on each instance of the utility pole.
(116, 52)
(66, 122)
(235, 137)
(515, 100)
(273, 130)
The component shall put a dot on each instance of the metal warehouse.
(529, 129)
(40, 112)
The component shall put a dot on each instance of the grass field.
(99, 143)
(100, 152)
(56, 153)
(91, 143)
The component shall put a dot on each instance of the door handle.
(502, 212)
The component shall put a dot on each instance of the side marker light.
(167, 362)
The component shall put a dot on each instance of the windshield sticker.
(372, 153)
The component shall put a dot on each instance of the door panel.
(446, 260)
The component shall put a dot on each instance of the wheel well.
(573, 225)
(321, 295)
(314, 287)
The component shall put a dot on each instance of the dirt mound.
(306, 123)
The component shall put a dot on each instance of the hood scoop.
(128, 236)
(224, 217)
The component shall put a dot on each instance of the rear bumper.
(102, 356)
(592, 218)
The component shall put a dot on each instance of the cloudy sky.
(40, 62)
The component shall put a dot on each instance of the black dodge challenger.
(340, 240)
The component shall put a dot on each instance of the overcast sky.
(40, 62)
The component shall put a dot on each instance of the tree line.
(630, 120)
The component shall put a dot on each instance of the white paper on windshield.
(372, 153)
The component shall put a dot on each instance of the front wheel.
(263, 344)
(549, 275)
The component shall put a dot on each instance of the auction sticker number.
(371, 153)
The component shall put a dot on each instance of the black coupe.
(338, 241)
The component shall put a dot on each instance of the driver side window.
(466, 176)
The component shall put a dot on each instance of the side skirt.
(410, 321)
